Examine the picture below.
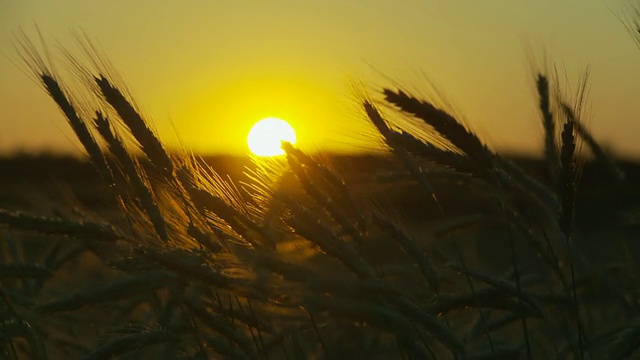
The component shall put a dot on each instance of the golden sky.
(207, 70)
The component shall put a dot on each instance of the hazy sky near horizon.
(208, 70)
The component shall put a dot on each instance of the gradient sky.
(207, 70)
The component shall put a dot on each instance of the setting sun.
(266, 135)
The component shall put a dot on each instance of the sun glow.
(266, 135)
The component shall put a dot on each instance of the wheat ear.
(150, 144)
(445, 124)
(548, 123)
(143, 191)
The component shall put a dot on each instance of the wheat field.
(303, 258)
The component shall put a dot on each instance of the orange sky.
(212, 68)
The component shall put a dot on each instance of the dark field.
(603, 201)
(473, 232)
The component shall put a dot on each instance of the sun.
(266, 135)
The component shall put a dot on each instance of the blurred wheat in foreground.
(298, 263)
